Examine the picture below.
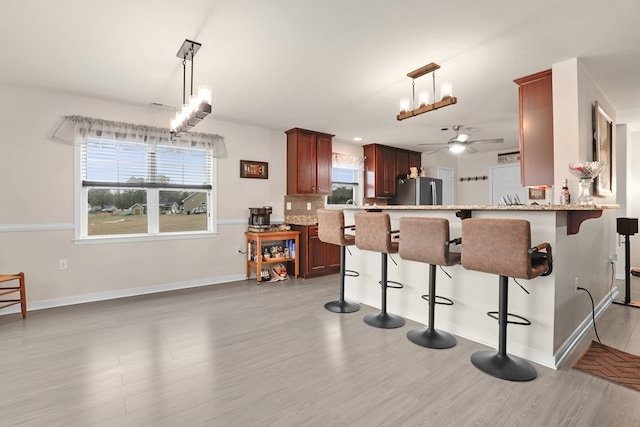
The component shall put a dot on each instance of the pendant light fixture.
(198, 106)
(408, 106)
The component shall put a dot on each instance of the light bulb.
(204, 94)
(446, 90)
(457, 147)
(404, 105)
(423, 98)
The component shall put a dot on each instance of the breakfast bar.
(583, 239)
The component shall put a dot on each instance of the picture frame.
(253, 169)
(537, 193)
(603, 150)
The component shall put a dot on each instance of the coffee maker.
(260, 217)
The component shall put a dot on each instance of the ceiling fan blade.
(437, 144)
(486, 141)
(463, 137)
(471, 150)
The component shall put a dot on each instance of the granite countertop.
(487, 207)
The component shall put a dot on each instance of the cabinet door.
(317, 260)
(536, 129)
(333, 257)
(306, 167)
(415, 159)
(323, 164)
(402, 162)
(388, 165)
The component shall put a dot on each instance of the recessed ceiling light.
(357, 138)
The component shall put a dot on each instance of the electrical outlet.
(309, 206)
(63, 264)
(577, 283)
(288, 206)
(613, 258)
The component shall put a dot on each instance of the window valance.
(77, 129)
(346, 161)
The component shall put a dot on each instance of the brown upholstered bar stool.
(331, 229)
(374, 234)
(427, 240)
(503, 247)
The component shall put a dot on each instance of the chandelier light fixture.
(408, 106)
(196, 107)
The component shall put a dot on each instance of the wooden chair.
(6, 290)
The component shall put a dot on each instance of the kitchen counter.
(560, 314)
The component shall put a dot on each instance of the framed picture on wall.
(603, 150)
(251, 169)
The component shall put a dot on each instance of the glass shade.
(404, 105)
(423, 98)
(446, 90)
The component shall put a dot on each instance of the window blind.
(129, 164)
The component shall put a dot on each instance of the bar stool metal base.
(506, 367)
(431, 338)
(342, 306)
(384, 320)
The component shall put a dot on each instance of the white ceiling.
(336, 66)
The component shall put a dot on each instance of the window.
(346, 177)
(131, 188)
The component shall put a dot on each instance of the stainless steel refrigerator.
(418, 191)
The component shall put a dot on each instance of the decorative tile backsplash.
(299, 212)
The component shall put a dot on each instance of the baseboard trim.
(570, 344)
(123, 293)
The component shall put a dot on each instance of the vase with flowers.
(585, 172)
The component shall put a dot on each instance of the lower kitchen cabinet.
(317, 258)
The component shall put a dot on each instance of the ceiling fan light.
(457, 147)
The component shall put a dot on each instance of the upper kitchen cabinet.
(536, 129)
(308, 162)
(382, 165)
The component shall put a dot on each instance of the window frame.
(81, 213)
(356, 185)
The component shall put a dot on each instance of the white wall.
(37, 212)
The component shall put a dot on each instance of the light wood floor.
(240, 354)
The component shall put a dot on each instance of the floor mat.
(611, 364)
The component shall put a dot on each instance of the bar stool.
(427, 240)
(374, 234)
(503, 247)
(331, 229)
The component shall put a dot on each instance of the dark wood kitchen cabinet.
(535, 101)
(382, 165)
(317, 258)
(308, 162)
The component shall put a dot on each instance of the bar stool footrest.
(439, 300)
(342, 306)
(506, 367)
(393, 285)
(524, 320)
(351, 273)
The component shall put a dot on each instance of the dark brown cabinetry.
(317, 258)
(536, 129)
(308, 162)
(382, 165)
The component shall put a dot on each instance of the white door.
(505, 179)
(446, 175)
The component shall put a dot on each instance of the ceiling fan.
(461, 142)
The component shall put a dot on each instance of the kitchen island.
(582, 238)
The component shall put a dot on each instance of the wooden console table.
(258, 238)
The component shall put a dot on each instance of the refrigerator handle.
(433, 193)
